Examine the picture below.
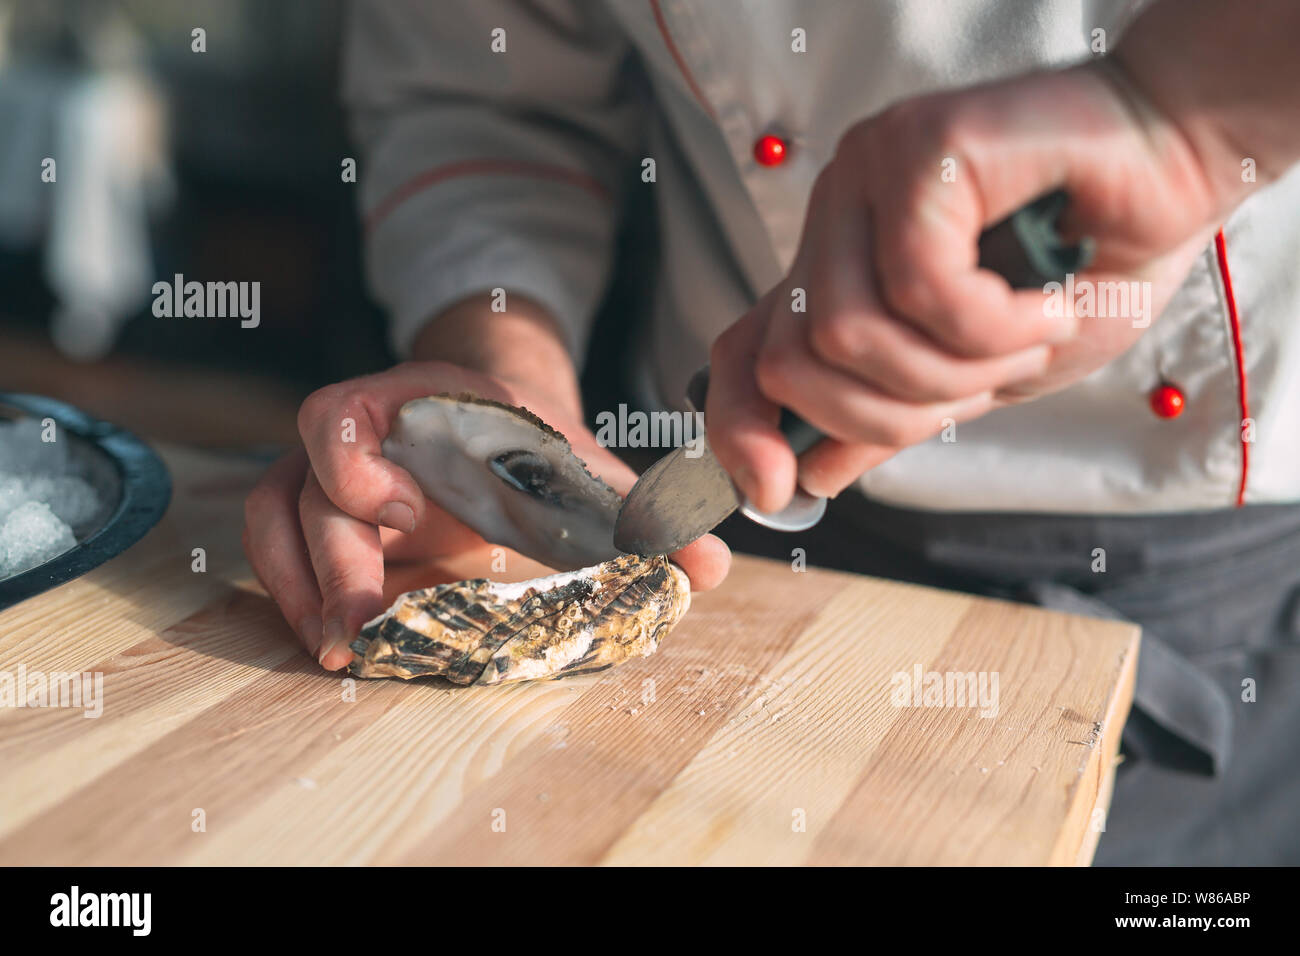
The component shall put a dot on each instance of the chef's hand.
(323, 519)
(902, 331)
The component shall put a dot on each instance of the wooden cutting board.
(766, 730)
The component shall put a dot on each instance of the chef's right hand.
(320, 523)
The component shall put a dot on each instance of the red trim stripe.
(482, 167)
(679, 59)
(1234, 321)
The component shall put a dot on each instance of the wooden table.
(764, 730)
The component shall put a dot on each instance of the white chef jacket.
(484, 170)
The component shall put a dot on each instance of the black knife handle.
(798, 432)
(1026, 249)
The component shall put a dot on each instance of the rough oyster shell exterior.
(485, 632)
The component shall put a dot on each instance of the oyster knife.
(686, 494)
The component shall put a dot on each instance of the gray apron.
(1210, 776)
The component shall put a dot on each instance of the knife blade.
(676, 500)
(682, 497)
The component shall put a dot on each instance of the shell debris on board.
(486, 632)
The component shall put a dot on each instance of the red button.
(770, 150)
(1167, 401)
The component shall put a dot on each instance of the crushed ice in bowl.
(41, 499)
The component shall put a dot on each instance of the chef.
(821, 173)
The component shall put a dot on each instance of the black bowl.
(130, 478)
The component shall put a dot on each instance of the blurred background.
(221, 165)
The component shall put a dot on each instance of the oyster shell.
(509, 476)
(485, 632)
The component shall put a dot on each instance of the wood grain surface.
(765, 730)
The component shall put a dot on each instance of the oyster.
(512, 478)
(485, 632)
(509, 476)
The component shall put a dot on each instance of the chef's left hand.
(902, 330)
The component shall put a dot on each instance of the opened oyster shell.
(509, 476)
(515, 480)
(485, 632)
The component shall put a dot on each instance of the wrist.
(1223, 75)
(523, 347)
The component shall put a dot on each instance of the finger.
(832, 466)
(706, 562)
(349, 566)
(860, 338)
(928, 271)
(842, 406)
(742, 422)
(438, 534)
(274, 544)
(848, 326)
(344, 425)
(925, 225)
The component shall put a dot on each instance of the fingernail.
(397, 516)
(335, 636)
(310, 629)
